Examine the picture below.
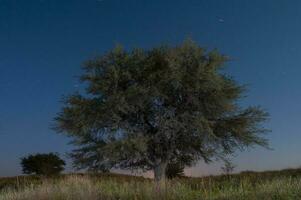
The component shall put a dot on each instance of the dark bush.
(42, 164)
(174, 170)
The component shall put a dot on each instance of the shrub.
(42, 164)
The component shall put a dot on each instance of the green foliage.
(42, 164)
(146, 108)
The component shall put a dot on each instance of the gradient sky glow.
(44, 42)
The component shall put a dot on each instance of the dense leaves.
(42, 164)
(147, 108)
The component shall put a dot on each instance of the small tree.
(145, 108)
(228, 167)
(42, 164)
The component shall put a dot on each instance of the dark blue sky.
(44, 42)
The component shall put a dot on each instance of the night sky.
(44, 42)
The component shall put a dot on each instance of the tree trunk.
(159, 172)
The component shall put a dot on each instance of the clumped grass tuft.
(78, 187)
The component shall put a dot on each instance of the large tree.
(143, 109)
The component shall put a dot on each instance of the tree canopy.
(143, 109)
(42, 164)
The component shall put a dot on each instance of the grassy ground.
(284, 185)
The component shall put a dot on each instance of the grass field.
(284, 185)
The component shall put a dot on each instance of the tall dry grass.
(89, 188)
